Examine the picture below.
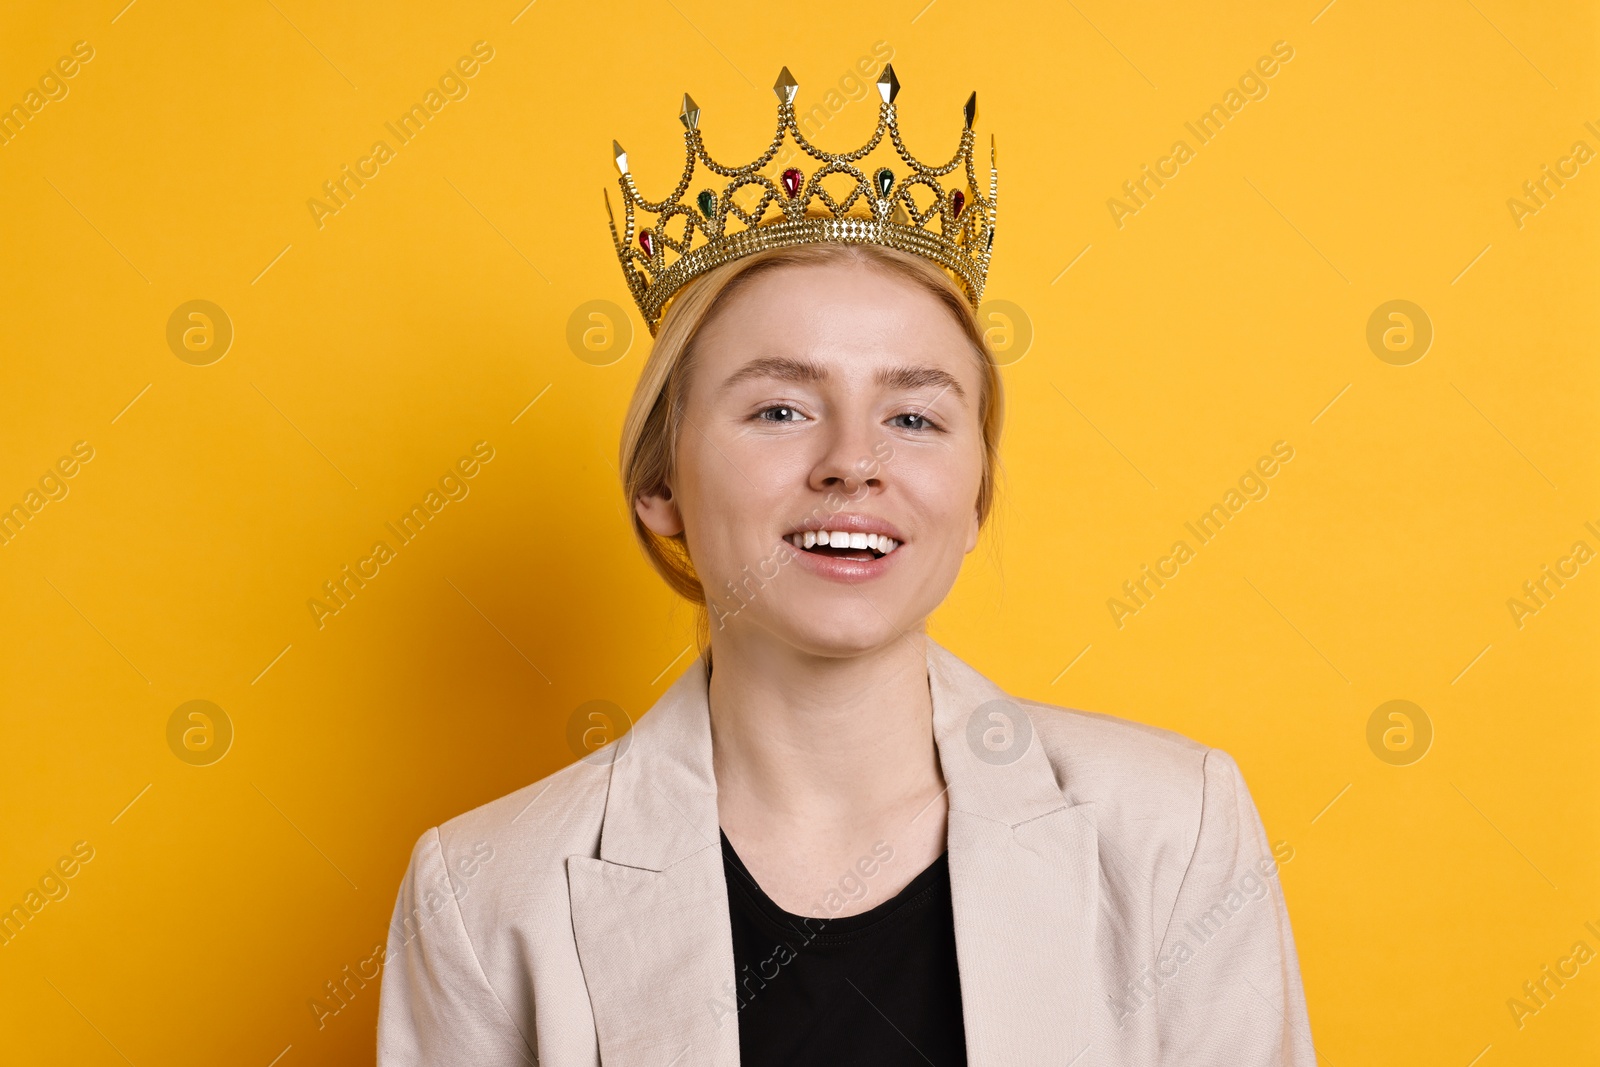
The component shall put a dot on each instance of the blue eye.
(917, 421)
(779, 413)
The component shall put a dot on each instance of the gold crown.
(961, 242)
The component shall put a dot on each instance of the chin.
(828, 617)
(838, 627)
(832, 646)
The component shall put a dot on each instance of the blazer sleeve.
(435, 1005)
(1229, 977)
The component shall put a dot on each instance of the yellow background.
(370, 353)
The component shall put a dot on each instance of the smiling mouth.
(842, 545)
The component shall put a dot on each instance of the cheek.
(723, 511)
(944, 489)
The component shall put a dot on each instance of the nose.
(848, 463)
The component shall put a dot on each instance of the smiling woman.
(744, 357)
(1026, 884)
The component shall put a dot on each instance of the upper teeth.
(841, 539)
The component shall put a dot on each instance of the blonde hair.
(655, 415)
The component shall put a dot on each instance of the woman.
(832, 841)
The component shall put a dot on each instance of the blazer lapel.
(650, 915)
(1024, 877)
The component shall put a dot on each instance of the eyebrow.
(788, 369)
(910, 377)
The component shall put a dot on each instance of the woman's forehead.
(829, 311)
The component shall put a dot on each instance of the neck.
(818, 743)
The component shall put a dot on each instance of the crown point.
(900, 218)
(785, 86)
(609, 216)
(970, 112)
(620, 156)
(888, 84)
(691, 113)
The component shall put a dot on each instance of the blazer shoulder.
(557, 816)
(1155, 792)
(1124, 766)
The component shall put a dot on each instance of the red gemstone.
(647, 241)
(791, 182)
(958, 200)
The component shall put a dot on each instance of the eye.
(913, 420)
(779, 413)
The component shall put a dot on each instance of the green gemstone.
(708, 202)
(885, 178)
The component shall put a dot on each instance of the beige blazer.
(1115, 900)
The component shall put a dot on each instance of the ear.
(973, 531)
(659, 513)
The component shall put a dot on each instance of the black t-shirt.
(879, 988)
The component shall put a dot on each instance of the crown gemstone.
(708, 202)
(791, 179)
(647, 241)
(785, 86)
(888, 84)
(885, 178)
(958, 200)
